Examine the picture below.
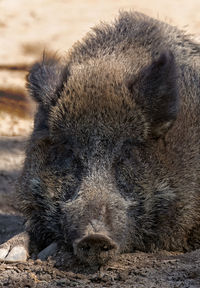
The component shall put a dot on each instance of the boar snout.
(95, 249)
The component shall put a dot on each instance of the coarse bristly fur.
(115, 147)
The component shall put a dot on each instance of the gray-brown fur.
(115, 147)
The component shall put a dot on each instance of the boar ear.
(158, 93)
(46, 79)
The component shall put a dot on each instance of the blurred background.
(29, 27)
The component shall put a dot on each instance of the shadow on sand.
(10, 225)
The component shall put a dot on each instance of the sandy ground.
(27, 28)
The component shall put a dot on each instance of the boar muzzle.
(95, 249)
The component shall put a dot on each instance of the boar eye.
(61, 155)
(130, 149)
(85, 248)
(127, 148)
(127, 152)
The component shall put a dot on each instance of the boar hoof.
(48, 251)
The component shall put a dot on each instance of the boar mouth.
(95, 249)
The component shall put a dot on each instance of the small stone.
(18, 253)
(4, 252)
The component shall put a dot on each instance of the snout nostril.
(85, 248)
(96, 242)
(107, 248)
(103, 248)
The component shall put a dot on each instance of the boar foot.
(48, 251)
(15, 249)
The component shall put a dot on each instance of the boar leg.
(15, 249)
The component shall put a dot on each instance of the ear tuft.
(46, 79)
(166, 57)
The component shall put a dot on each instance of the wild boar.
(113, 163)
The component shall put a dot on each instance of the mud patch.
(130, 270)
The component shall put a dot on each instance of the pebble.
(18, 253)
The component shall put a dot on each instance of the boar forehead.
(96, 102)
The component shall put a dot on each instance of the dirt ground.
(27, 28)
